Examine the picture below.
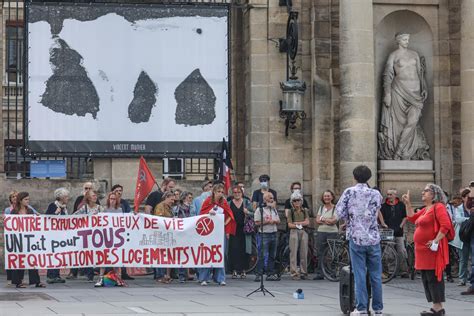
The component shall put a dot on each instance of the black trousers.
(18, 275)
(434, 290)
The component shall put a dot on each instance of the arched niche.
(421, 41)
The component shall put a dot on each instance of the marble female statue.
(400, 136)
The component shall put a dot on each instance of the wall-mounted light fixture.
(291, 107)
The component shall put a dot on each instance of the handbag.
(249, 224)
(466, 230)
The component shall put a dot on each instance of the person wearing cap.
(298, 219)
(257, 196)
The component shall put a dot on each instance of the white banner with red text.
(112, 240)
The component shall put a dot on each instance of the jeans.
(363, 259)
(463, 260)
(158, 273)
(269, 243)
(89, 273)
(183, 274)
(52, 274)
(218, 274)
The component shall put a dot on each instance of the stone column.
(2, 71)
(357, 128)
(467, 91)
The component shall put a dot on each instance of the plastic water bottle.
(298, 294)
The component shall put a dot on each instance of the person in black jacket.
(80, 199)
(394, 216)
(118, 190)
(58, 207)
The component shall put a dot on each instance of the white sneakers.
(357, 313)
(204, 283)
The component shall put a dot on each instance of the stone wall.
(312, 153)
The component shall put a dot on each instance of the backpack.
(450, 234)
(466, 230)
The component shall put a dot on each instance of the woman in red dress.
(432, 223)
(217, 204)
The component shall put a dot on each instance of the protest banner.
(112, 240)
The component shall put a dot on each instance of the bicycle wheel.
(411, 261)
(312, 260)
(252, 259)
(282, 263)
(390, 263)
(334, 259)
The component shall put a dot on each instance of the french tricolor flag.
(225, 167)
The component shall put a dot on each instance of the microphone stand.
(261, 288)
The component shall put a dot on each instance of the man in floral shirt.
(358, 207)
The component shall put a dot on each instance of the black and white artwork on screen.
(127, 79)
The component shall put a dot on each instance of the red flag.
(225, 167)
(145, 182)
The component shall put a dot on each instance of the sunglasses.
(296, 200)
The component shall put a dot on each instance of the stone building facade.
(341, 51)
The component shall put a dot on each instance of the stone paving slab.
(144, 296)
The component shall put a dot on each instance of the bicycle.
(282, 261)
(410, 248)
(335, 257)
(390, 261)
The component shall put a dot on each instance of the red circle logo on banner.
(204, 226)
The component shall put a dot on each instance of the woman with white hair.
(58, 207)
(298, 219)
(432, 225)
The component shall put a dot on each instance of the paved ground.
(143, 296)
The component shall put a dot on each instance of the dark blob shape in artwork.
(69, 90)
(144, 99)
(196, 101)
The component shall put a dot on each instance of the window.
(14, 51)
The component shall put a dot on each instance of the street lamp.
(291, 107)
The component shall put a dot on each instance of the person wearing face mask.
(257, 196)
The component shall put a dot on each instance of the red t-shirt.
(425, 259)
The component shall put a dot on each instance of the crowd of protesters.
(360, 210)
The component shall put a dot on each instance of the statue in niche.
(400, 136)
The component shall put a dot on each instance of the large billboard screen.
(127, 79)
